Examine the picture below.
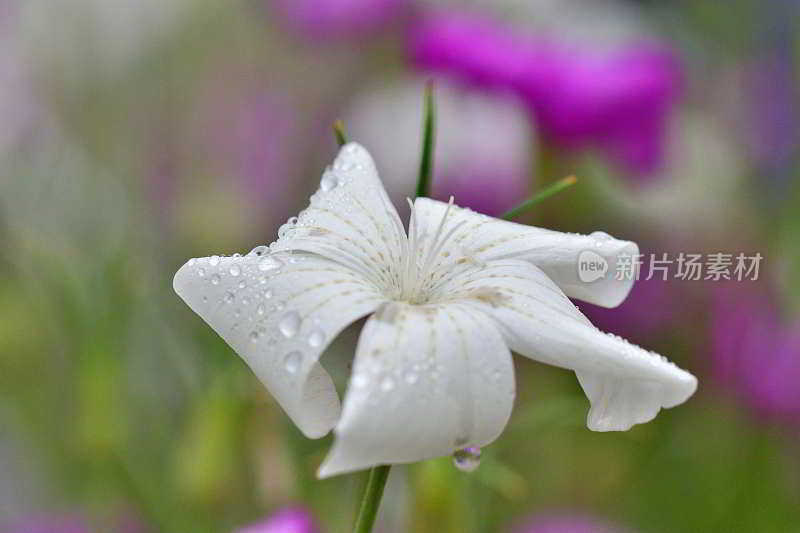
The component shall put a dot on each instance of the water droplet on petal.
(468, 459)
(360, 381)
(254, 335)
(328, 182)
(411, 377)
(215, 279)
(201, 272)
(235, 270)
(229, 297)
(316, 338)
(387, 384)
(260, 309)
(269, 263)
(290, 324)
(292, 361)
(267, 294)
(259, 250)
(213, 260)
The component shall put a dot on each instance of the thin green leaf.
(545, 193)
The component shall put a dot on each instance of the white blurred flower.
(484, 143)
(447, 301)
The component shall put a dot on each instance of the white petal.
(482, 238)
(428, 380)
(279, 312)
(625, 384)
(350, 219)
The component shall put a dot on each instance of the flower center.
(417, 263)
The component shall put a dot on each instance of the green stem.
(545, 193)
(428, 134)
(371, 499)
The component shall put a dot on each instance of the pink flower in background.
(566, 523)
(616, 101)
(330, 19)
(290, 520)
(756, 353)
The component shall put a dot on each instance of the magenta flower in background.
(333, 19)
(566, 523)
(616, 101)
(756, 352)
(290, 520)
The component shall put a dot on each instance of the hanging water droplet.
(215, 279)
(292, 361)
(290, 324)
(269, 263)
(468, 459)
(387, 383)
(213, 260)
(316, 338)
(328, 182)
(235, 270)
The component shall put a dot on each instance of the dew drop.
(242, 284)
(259, 250)
(254, 335)
(213, 260)
(411, 377)
(387, 384)
(235, 270)
(215, 279)
(260, 309)
(269, 263)
(316, 338)
(229, 297)
(468, 459)
(268, 294)
(290, 324)
(201, 272)
(328, 182)
(292, 361)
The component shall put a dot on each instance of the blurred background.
(135, 134)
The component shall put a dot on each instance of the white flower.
(447, 302)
